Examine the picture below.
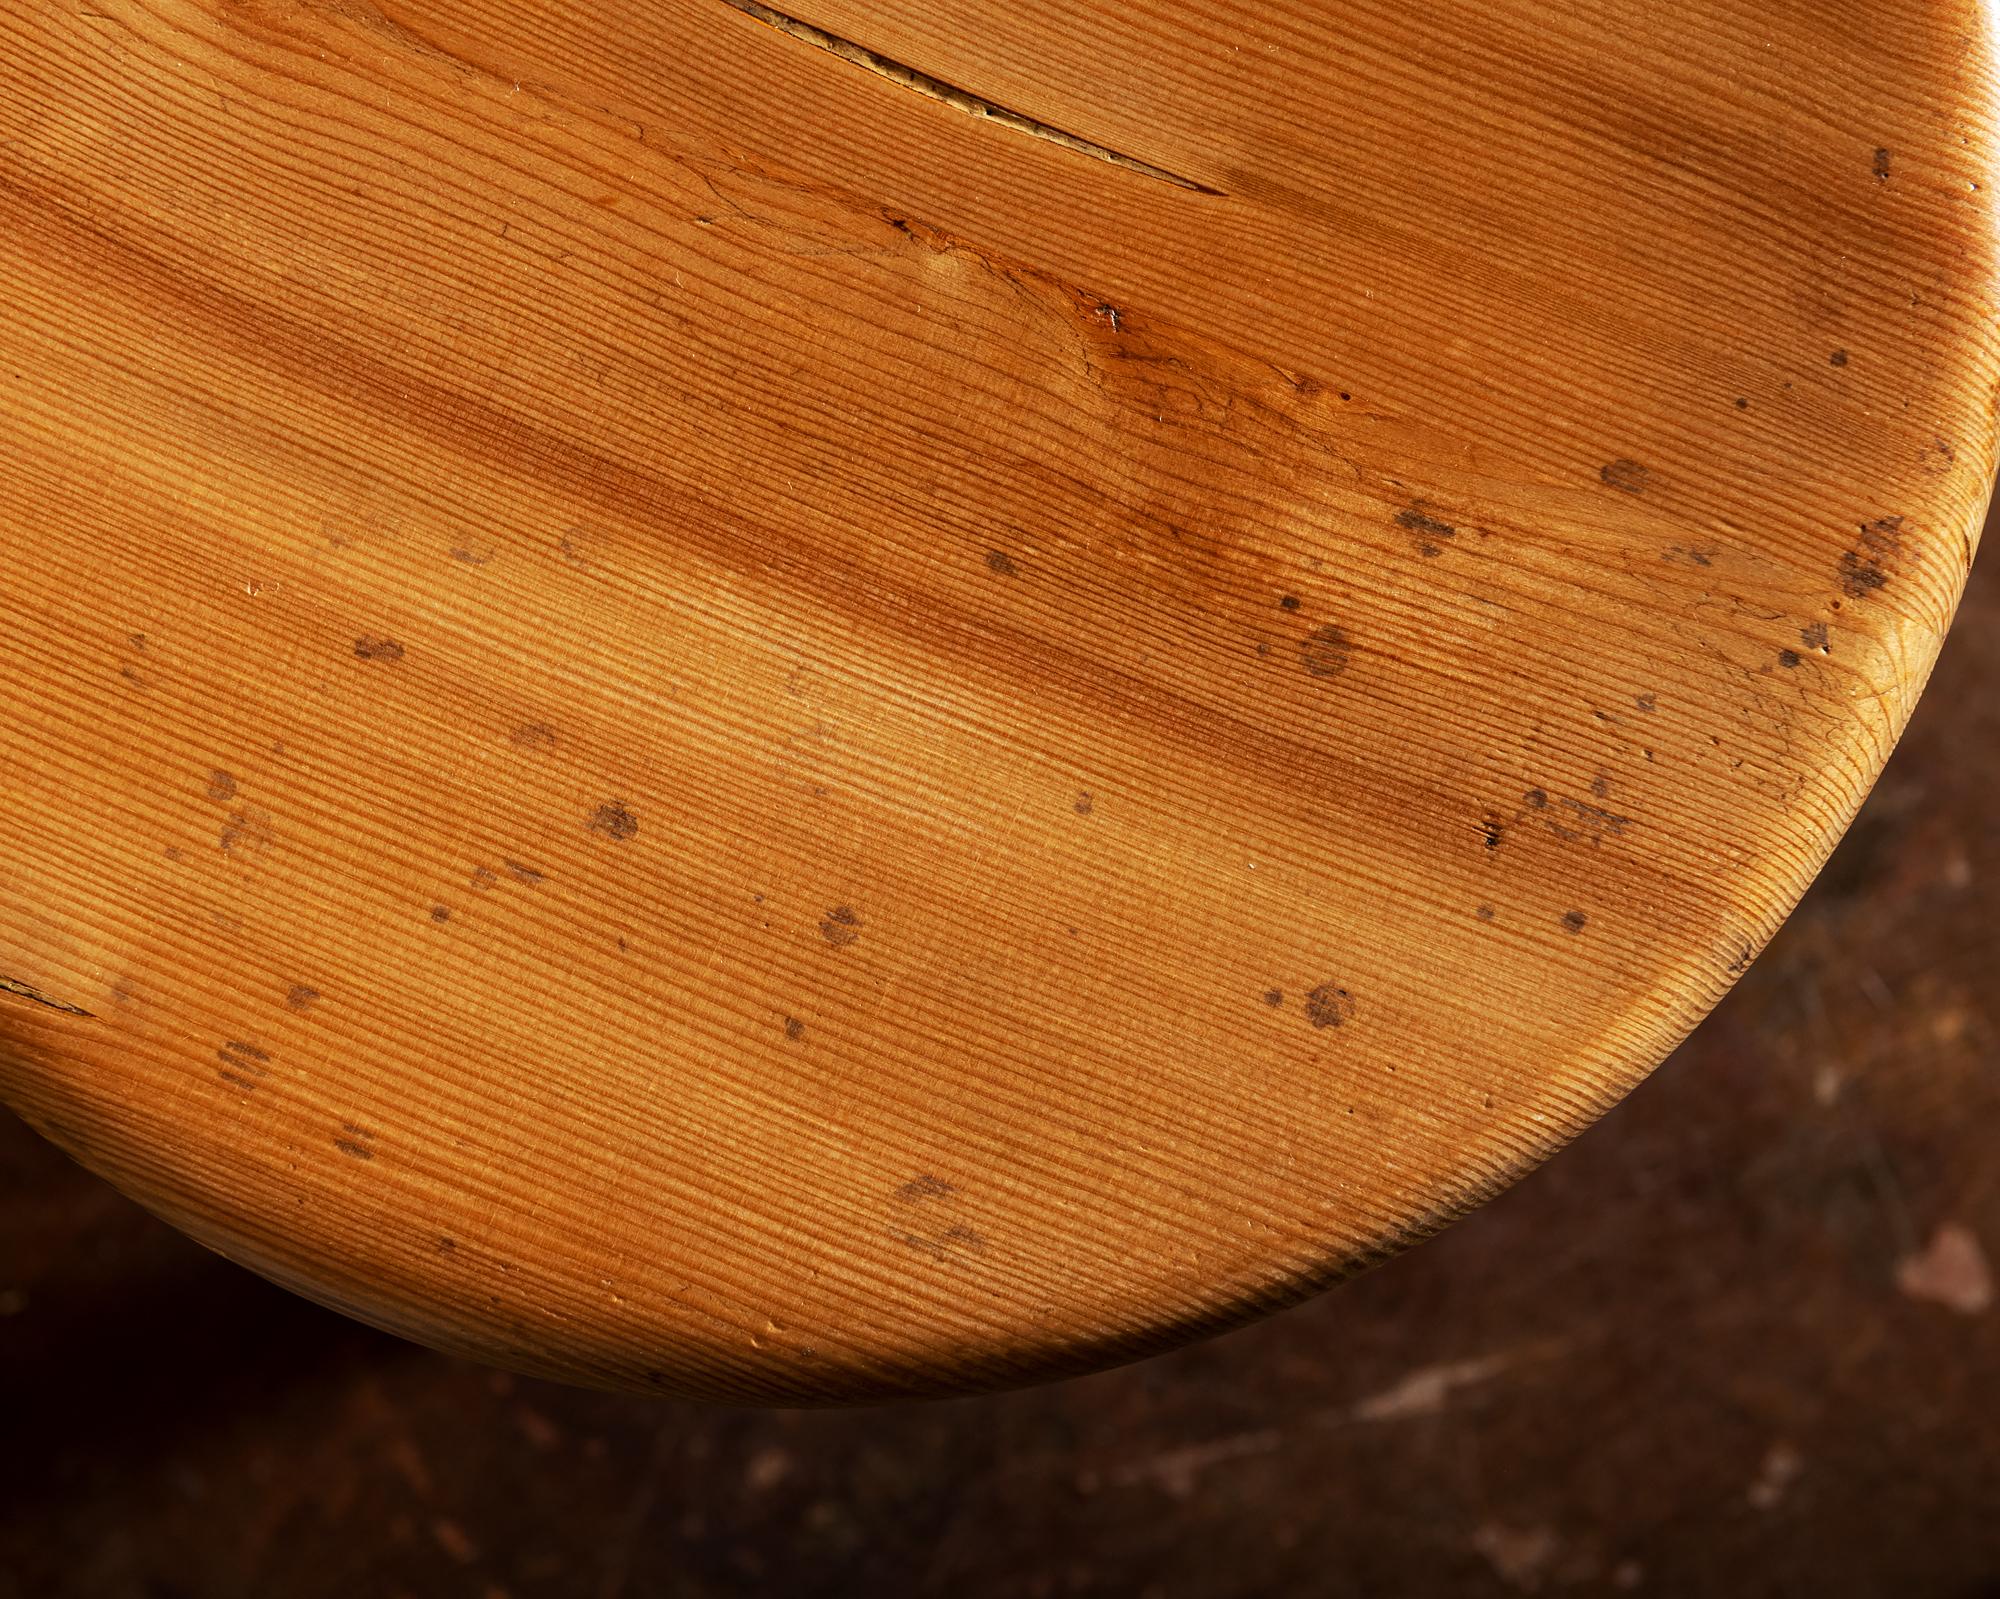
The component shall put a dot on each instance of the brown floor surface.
(1741, 1339)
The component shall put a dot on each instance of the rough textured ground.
(1741, 1339)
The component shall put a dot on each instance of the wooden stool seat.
(807, 707)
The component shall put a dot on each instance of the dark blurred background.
(1741, 1339)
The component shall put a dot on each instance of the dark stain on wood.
(613, 821)
(1627, 476)
(1325, 651)
(1864, 567)
(1329, 1005)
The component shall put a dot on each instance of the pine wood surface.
(881, 698)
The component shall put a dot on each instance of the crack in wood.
(971, 104)
(10, 985)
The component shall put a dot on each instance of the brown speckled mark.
(1574, 921)
(533, 736)
(1815, 636)
(470, 557)
(1789, 658)
(1083, 804)
(920, 1188)
(614, 821)
(221, 786)
(1001, 564)
(1574, 820)
(440, 913)
(576, 542)
(352, 1142)
(1274, 997)
(943, 1244)
(1864, 567)
(1288, 602)
(1329, 1005)
(483, 878)
(1484, 913)
(1838, 358)
(300, 997)
(369, 647)
(794, 1029)
(840, 926)
(1431, 531)
(1628, 477)
(245, 830)
(1880, 166)
(1325, 652)
(243, 1064)
(523, 874)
